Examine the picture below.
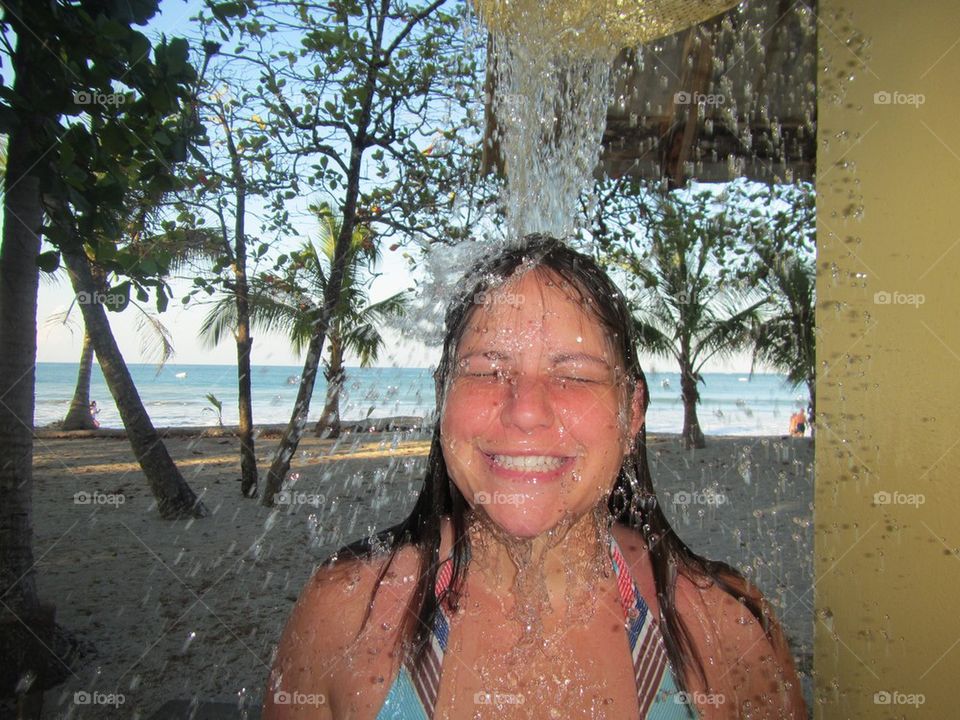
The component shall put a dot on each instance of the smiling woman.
(536, 575)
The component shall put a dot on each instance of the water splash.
(550, 107)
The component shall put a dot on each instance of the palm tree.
(690, 309)
(79, 416)
(156, 343)
(175, 498)
(152, 254)
(785, 340)
(353, 331)
(291, 305)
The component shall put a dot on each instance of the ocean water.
(731, 404)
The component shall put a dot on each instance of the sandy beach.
(193, 609)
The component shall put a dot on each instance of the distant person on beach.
(536, 576)
(94, 411)
(798, 423)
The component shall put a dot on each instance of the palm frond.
(219, 321)
(156, 341)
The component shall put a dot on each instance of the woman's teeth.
(543, 463)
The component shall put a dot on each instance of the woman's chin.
(527, 525)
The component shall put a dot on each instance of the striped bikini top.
(413, 695)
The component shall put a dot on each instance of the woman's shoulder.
(744, 660)
(693, 587)
(340, 591)
(339, 625)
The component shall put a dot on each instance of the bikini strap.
(655, 682)
(425, 674)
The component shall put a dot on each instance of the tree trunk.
(174, 497)
(329, 423)
(692, 436)
(328, 426)
(248, 457)
(25, 625)
(298, 420)
(19, 282)
(79, 416)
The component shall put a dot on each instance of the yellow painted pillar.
(887, 588)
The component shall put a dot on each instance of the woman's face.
(536, 421)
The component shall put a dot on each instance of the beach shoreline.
(392, 423)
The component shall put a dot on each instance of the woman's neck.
(533, 577)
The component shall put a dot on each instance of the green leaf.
(223, 11)
(49, 261)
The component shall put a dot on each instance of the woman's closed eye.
(487, 373)
(576, 379)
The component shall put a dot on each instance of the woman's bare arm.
(314, 642)
(746, 667)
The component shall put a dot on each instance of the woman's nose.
(527, 405)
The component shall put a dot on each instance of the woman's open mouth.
(529, 467)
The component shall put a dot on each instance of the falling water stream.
(550, 106)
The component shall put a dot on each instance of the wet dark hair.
(632, 502)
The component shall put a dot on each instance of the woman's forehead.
(531, 310)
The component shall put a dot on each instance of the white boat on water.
(180, 375)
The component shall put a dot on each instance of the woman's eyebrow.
(486, 354)
(561, 358)
(555, 359)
